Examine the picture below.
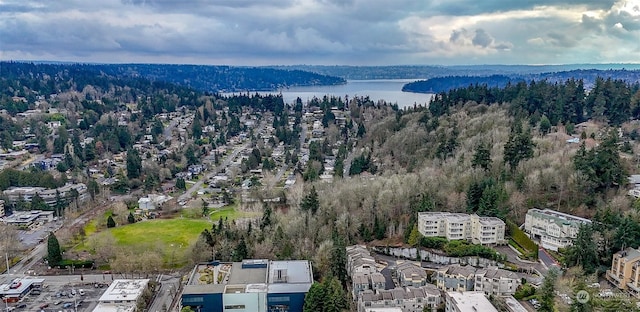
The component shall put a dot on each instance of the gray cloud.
(482, 38)
(251, 32)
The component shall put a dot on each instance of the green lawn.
(174, 231)
(230, 213)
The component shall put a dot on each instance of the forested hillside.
(220, 78)
(440, 84)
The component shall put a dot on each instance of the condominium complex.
(409, 299)
(553, 229)
(490, 281)
(625, 271)
(456, 226)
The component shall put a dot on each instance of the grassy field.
(174, 231)
(230, 213)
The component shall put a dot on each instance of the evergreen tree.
(310, 202)
(110, 222)
(584, 251)
(54, 254)
(131, 219)
(339, 259)
(242, 251)
(545, 125)
(601, 168)
(518, 147)
(336, 300)
(315, 298)
(134, 164)
(180, 184)
(547, 292)
(482, 157)
(93, 188)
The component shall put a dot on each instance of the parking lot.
(35, 236)
(54, 297)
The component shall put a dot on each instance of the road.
(225, 163)
(547, 260)
(166, 293)
(168, 130)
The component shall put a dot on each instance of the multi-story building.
(554, 229)
(65, 193)
(455, 278)
(497, 282)
(250, 285)
(409, 299)
(457, 226)
(361, 282)
(491, 280)
(359, 260)
(468, 301)
(623, 270)
(410, 274)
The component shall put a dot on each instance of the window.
(192, 300)
(234, 307)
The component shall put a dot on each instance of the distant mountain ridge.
(432, 71)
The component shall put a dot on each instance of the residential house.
(552, 228)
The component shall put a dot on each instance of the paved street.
(225, 163)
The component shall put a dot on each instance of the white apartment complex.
(455, 226)
(554, 229)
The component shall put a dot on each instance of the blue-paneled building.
(256, 285)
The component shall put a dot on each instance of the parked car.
(67, 305)
(21, 306)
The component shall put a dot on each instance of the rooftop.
(557, 216)
(629, 254)
(255, 275)
(471, 301)
(124, 290)
(113, 307)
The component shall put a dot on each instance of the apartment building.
(408, 299)
(410, 274)
(361, 282)
(456, 226)
(624, 270)
(496, 282)
(552, 228)
(455, 278)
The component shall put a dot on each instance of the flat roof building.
(468, 301)
(123, 295)
(461, 226)
(251, 285)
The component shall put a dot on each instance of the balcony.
(613, 278)
(633, 287)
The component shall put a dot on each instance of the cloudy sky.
(345, 32)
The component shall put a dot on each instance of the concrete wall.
(426, 255)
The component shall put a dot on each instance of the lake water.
(387, 90)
